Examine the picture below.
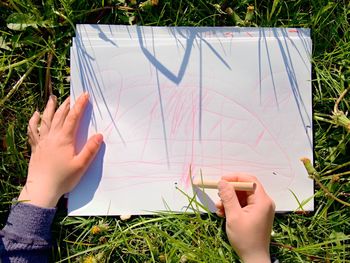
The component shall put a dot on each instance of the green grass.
(35, 37)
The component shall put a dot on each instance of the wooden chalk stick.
(212, 184)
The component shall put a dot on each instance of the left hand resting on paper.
(55, 167)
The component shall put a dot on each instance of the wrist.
(38, 198)
(257, 257)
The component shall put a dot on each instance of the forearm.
(26, 236)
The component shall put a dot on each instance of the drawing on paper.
(174, 103)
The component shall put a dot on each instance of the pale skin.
(249, 218)
(56, 167)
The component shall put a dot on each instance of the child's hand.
(55, 167)
(249, 218)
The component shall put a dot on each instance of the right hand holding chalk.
(249, 218)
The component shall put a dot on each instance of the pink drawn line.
(259, 138)
(262, 123)
(228, 162)
(215, 165)
(191, 141)
(147, 135)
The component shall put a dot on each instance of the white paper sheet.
(179, 102)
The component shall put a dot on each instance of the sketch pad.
(179, 102)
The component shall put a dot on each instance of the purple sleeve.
(26, 236)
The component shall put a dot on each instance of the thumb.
(89, 151)
(229, 198)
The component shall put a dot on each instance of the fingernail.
(50, 100)
(53, 97)
(99, 138)
(219, 213)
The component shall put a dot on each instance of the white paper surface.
(179, 102)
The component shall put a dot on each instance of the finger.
(257, 198)
(240, 177)
(220, 212)
(219, 205)
(243, 177)
(228, 198)
(220, 209)
(72, 121)
(48, 114)
(60, 114)
(89, 151)
(33, 134)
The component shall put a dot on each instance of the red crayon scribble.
(259, 138)
(181, 111)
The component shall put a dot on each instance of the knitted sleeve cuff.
(29, 224)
